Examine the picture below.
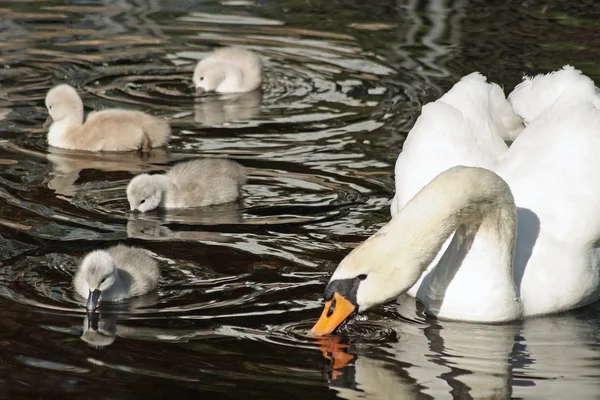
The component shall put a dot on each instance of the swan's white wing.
(553, 169)
(535, 95)
(466, 126)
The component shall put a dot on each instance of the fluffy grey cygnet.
(229, 70)
(114, 274)
(106, 130)
(196, 183)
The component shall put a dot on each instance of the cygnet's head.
(144, 193)
(208, 76)
(63, 101)
(100, 273)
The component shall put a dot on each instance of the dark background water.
(242, 283)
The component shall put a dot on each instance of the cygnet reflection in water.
(115, 274)
(230, 107)
(67, 165)
(151, 227)
(101, 329)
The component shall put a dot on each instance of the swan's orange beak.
(334, 313)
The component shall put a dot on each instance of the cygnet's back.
(124, 123)
(107, 130)
(138, 264)
(204, 182)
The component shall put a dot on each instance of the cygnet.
(229, 70)
(114, 274)
(106, 130)
(195, 183)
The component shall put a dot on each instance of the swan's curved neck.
(473, 198)
(474, 201)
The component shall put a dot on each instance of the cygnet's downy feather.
(114, 274)
(106, 130)
(196, 183)
(229, 70)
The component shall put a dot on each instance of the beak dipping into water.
(336, 311)
(92, 302)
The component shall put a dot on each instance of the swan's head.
(63, 101)
(144, 193)
(208, 76)
(100, 273)
(376, 271)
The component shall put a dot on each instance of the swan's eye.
(362, 277)
(143, 201)
(331, 308)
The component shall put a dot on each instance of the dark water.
(242, 283)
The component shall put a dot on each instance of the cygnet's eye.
(49, 107)
(104, 279)
(201, 78)
(143, 201)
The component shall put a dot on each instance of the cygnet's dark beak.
(93, 298)
(93, 319)
(199, 90)
(48, 122)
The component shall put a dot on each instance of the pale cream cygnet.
(195, 183)
(115, 274)
(106, 130)
(229, 70)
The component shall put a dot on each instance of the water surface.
(242, 282)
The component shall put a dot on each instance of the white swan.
(106, 130)
(453, 245)
(468, 126)
(229, 70)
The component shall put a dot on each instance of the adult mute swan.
(483, 246)
(468, 126)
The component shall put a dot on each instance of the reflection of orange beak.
(335, 351)
(335, 312)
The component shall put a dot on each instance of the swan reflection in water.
(230, 107)
(549, 357)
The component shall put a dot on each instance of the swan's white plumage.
(466, 126)
(535, 95)
(553, 171)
